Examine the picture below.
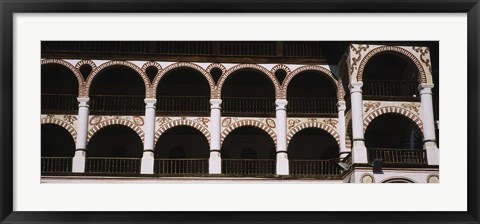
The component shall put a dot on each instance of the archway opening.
(394, 139)
(115, 149)
(182, 150)
(57, 149)
(311, 93)
(248, 151)
(184, 91)
(248, 92)
(117, 90)
(59, 88)
(389, 76)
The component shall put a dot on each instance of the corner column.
(78, 162)
(429, 141)
(342, 129)
(359, 151)
(215, 160)
(282, 156)
(148, 145)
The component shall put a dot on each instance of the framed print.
(241, 112)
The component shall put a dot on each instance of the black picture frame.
(9, 7)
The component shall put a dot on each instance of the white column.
(342, 129)
(281, 117)
(215, 161)
(430, 144)
(148, 145)
(359, 151)
(78, 162)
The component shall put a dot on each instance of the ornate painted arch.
(403, 179)
(250, 123)
(305, 125)
(182, 122)
(62, 124)
(177, 65)
(398, 50)
(394, 110)
(75, 71)
(127, 64)
(109, 122)
(256, 67)
(325, 71)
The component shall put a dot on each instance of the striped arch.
(393, 110)
(182, 122)
(399, 179)
(256, 67)
(75, 71)
(127, 64)
(327, 72)
(109, 122)
(62, 124)
(177, 65)
(250, 123)
(305, 125)
(397, 50)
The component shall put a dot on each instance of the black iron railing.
(181, 167)
(317, 168)
(390, 89)
(248, 106)
(117, 104)
(59, 103)
(310, 106)
(56, 165)
(112, 166)
(183, 104)
(398, 156)
(252, 167)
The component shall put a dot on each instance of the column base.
(148, 160)
(78, 161)
(433, 157)
(359, 152)
(215, 163)
(282, 164)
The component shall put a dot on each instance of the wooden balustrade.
(112, 166)
(248, 106)
(183, 104)
(117, 104)
(312, 106)
(248, 167)
(59, 103)
(383, 89)
(398, 156)
(315, 168)
(56, 165)
(181, 167)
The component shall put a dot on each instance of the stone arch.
(256, 67)
(127, 64)
(86, 62)
(305, 125)
(182, 122)
(397, 50)
(63, 124)
(177, 65)
(400, 179)
(109, 122)
(394, 110)
(327, 72)
(250, 123)
(75, 71)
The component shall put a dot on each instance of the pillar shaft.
(281, 118)
(215, 161)
(341, 128)
(149, 137)
(78, 162)
(359, 151)
(430, 144)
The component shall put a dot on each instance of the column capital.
(150, 103)
(355, 87)
(341, 105)
(281, 104)
(425, 88)
(83, 101)
(215, 103)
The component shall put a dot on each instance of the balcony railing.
(183, 104)
(259, 106)
(59, 103)
(112, 166)
(398, 156)
(314, 168)
(56, 165)
(400, 90)
(117, 104)
(252, 167)
(181, 167)
(312, 106)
